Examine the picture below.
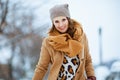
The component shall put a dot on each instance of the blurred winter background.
(24, 23)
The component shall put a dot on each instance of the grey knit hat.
(59, 10)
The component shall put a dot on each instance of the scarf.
(65, 43)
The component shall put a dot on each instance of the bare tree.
(3, 13)
(16, 24)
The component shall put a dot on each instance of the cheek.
(56, 26)
(67, 24)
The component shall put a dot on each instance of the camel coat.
(49, 55)
(55, 57)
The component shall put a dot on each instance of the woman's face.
(61, 23)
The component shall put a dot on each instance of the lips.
(61, 28)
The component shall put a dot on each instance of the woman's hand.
(91, 78)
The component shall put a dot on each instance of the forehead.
(59, 18)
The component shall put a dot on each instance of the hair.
(71, 28)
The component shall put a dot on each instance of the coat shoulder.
(45, 42)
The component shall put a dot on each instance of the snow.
(115, 66)
(102, 72)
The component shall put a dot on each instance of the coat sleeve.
(43, 63)
(88, 60)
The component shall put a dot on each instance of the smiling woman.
(66, 49)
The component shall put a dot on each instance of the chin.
(63, 31)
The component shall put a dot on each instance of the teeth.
(62, 28)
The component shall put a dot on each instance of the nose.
(61, 24)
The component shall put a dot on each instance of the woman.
(66, 48)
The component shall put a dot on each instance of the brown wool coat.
(49, 55)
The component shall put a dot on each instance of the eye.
(56, 21)
(63, 19)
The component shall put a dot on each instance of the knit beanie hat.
(59, 10)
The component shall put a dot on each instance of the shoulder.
(45, 41)
(76, 23)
